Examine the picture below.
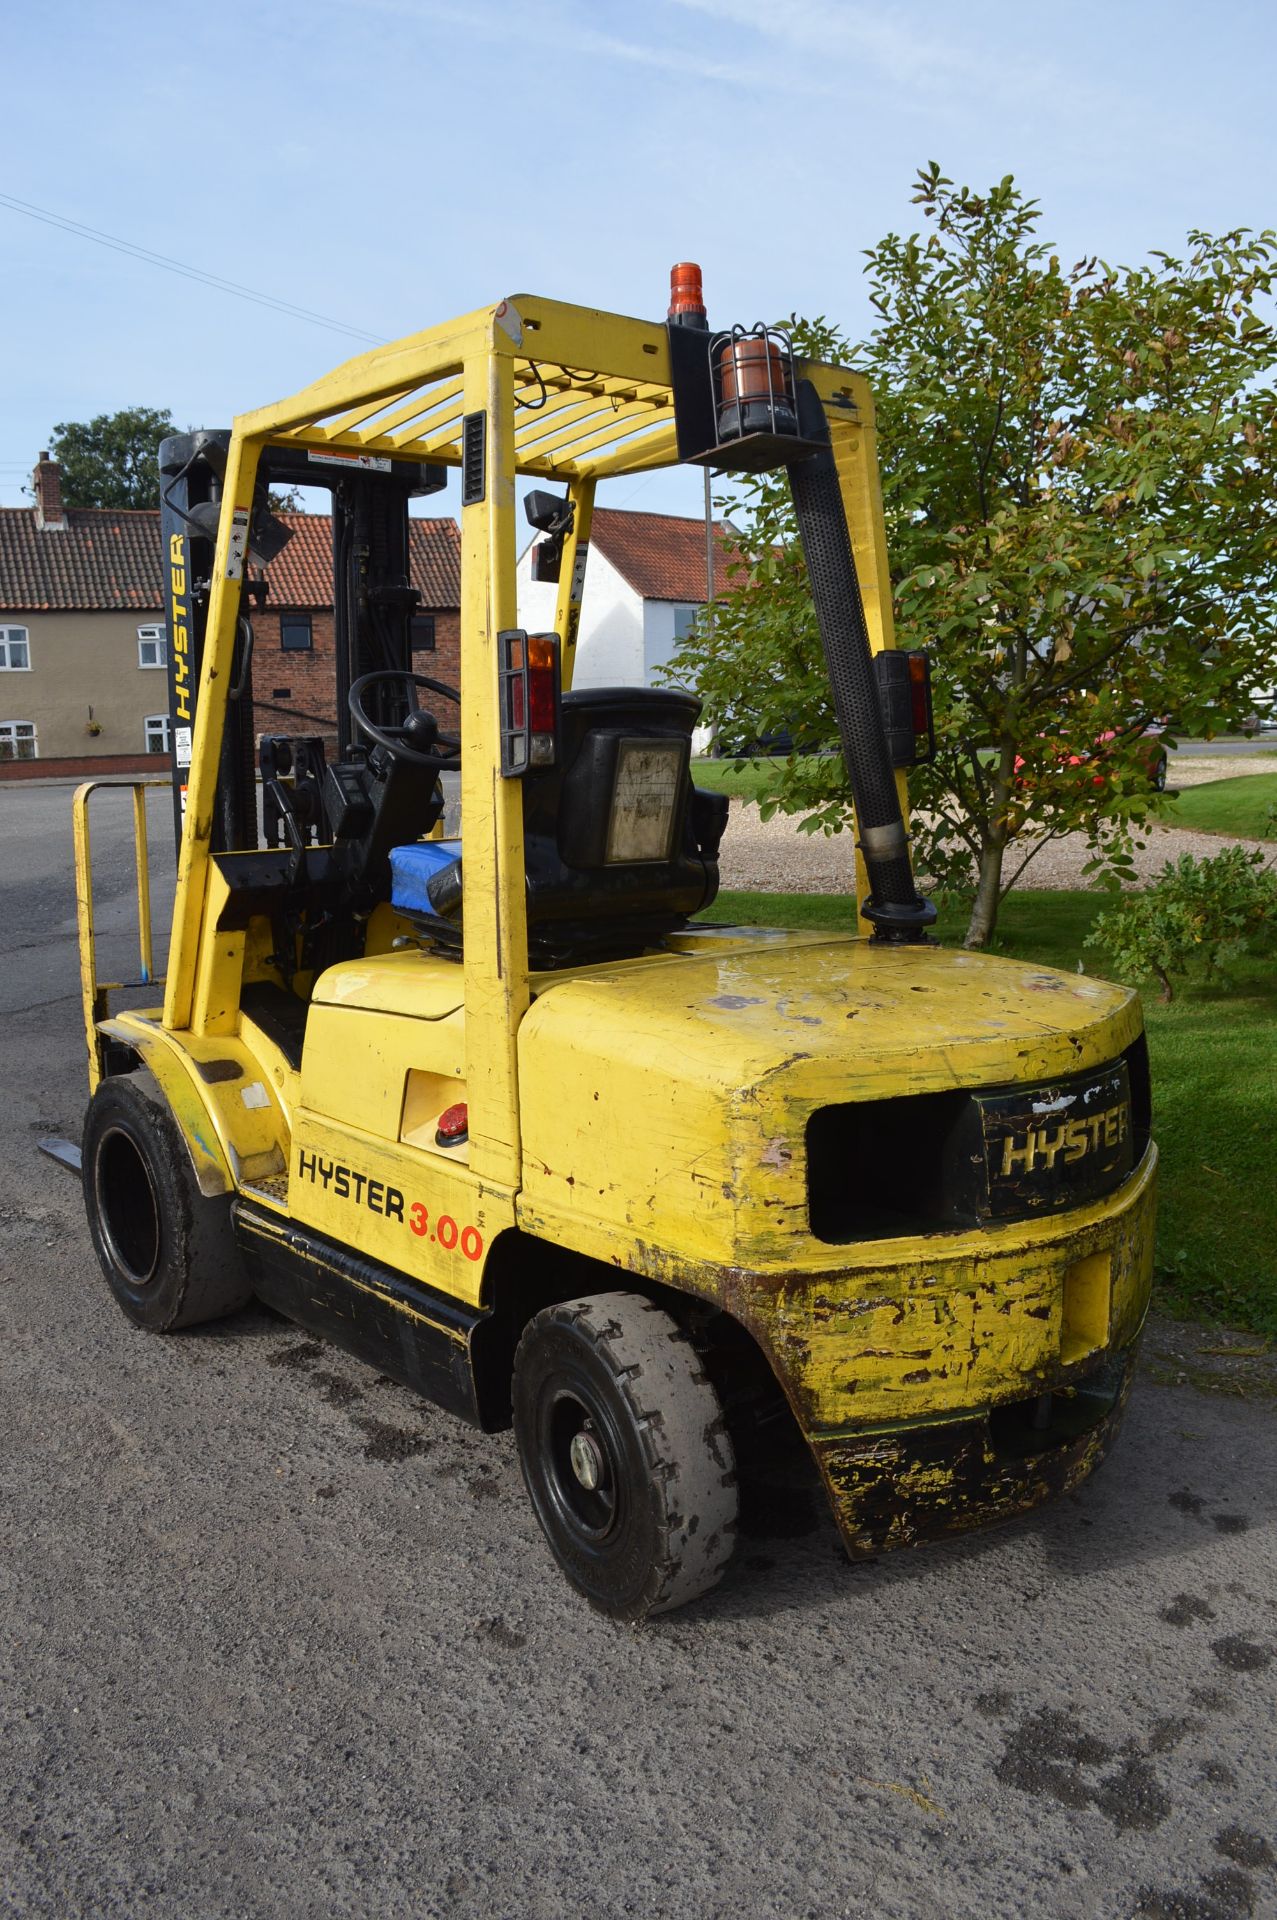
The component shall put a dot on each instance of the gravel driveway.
(773, 856)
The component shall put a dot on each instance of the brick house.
(294, 667)
(83, 653)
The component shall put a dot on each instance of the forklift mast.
(372, 598)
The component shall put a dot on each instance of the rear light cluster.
(904, 688)
(920, 689)
(528, 670)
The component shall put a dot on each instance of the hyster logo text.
(178, 628)
(347, 1184)
(1071, 1140)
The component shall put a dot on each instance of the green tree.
(110, 461)
(1078, 476)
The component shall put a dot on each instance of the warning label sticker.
(365, 462)
(238, 545)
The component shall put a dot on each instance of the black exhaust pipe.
(895, 907)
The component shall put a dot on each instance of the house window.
(156, 725)
(423, 633)
(294, 632)
(15, 653)
(17, 740)
(152, 647)
(684, 621)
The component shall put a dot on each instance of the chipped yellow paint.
(896, 1487)
(953, 1322)
(665, 1106)
(231, 1138)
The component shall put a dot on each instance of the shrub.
(1193, 917)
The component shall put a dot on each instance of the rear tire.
(167, 1250)
(625, 1454)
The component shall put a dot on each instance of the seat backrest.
(619, 848)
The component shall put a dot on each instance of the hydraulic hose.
(895, 907)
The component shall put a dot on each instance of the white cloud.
(563, 23)
(909, 53)
(696, 65)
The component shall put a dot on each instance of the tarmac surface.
(278, 1640)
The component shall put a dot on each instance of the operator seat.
(620, 848)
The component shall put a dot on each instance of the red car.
(1153, 757)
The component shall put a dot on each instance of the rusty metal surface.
(899, 1489)
(909, 1330)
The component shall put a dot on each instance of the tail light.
(920, 692)
(904, 689)
(528, 676)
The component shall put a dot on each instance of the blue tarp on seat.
(412, 869)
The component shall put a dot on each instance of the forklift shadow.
(789, 1558)
(1134, 1510)
(248, 1327)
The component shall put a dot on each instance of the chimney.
(46, 484)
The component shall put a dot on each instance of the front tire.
(167, 1250)
(625, 1454)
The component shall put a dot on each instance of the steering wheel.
(418, 740)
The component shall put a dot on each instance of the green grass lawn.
(744, 780)
(1239, 807)
(1214, 1061)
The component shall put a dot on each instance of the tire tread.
(684, 1436)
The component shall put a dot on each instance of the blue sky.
(392, 162)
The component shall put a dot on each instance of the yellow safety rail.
(95, 993)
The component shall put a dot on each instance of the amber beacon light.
(687, 301)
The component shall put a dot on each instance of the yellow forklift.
(504, 1114)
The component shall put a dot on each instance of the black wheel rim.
(128, 1208)
(579, 1441)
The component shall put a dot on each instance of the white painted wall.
(622, 639)
(659, 638)
(610, 650)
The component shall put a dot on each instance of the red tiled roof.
(301, 575)
(104, 560)
(661, 555)
(100, 559)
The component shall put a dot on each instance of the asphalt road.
(278, 1640)
(1265, 742)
